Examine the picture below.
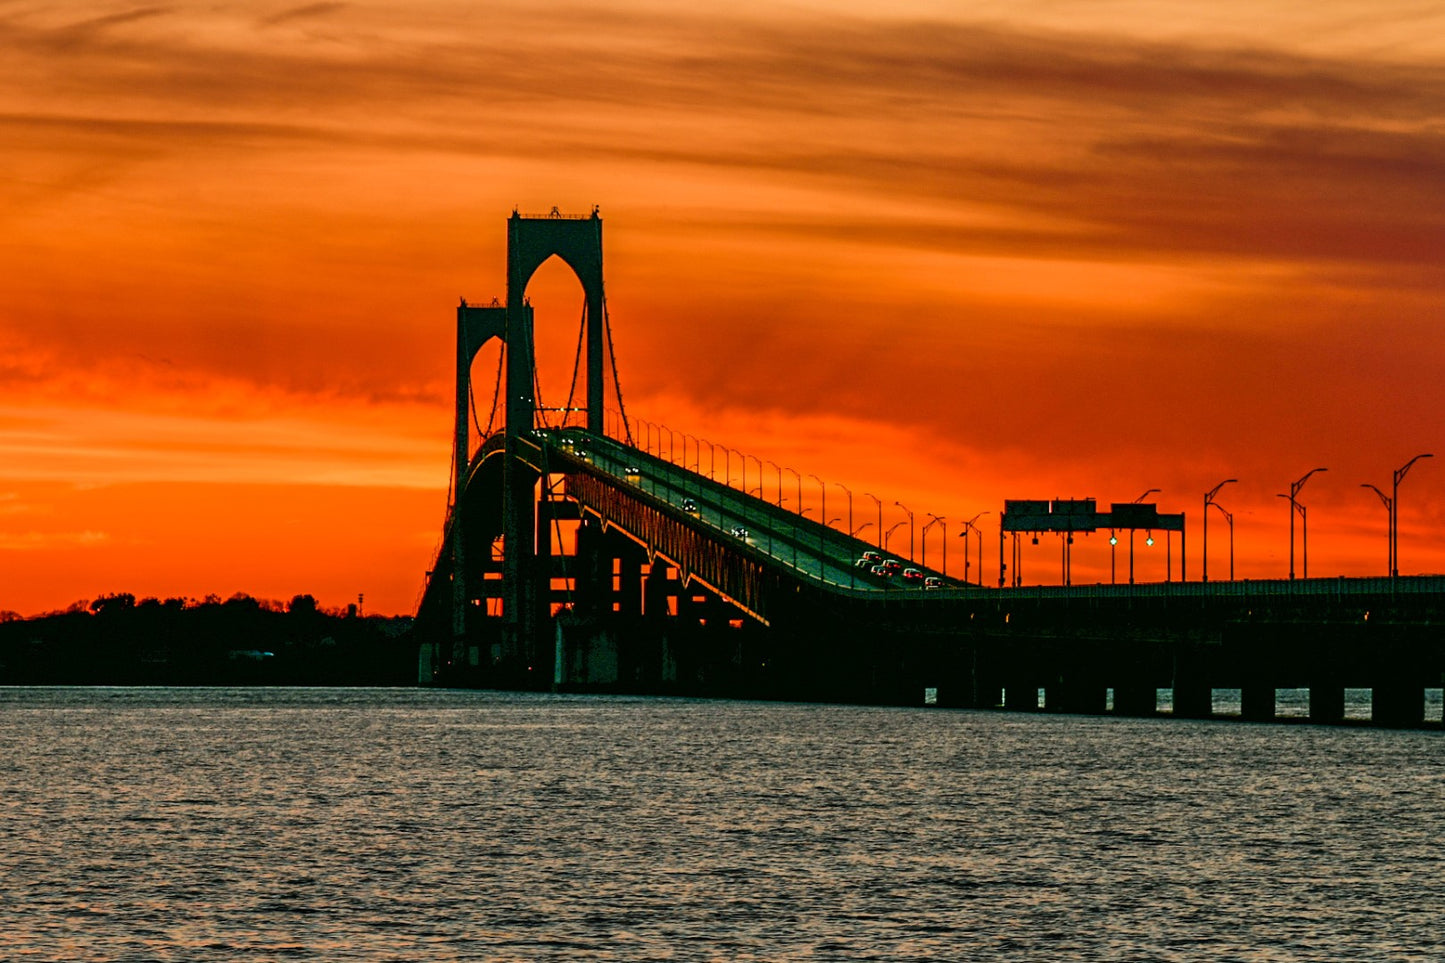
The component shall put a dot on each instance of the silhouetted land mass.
(116, 640)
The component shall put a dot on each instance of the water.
(259, 824)
(1290, 704)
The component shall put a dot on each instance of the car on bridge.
(888, 568)
(868, 560)
(913, 576)
(933, 582)
(689, 506)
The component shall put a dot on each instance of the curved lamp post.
(888, 534)
(1395, 513)
(1209, 500)
(822, 505)
(1296, 507)
(847, 492)
(910, 528)
(799, 479)
(967, 527)
(780, 481)
(1389, 504)
(711, 459)
(1152, 491)
(942, 522)
(728, 464)
(877, 501)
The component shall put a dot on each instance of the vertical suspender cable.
(576, 362)
(616, 384)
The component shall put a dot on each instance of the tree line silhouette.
(117, 640)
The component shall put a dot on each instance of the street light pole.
(910, 529)
(877, 501)
(711, 459)
(1209, 500)
(1152, 491)
(1395, 515)
(1389, 504)
(780, 481)
(968, 526)
(799, 479)
(888, 534)
(942, 522)
(1294, 490)
(1229, 518)
(822, 505)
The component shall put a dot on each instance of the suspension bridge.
(575, 558)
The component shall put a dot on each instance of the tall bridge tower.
(531, 242)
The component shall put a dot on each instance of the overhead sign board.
(1082, 515)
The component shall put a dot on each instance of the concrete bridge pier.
(965, 682)
(1020, 695)
(586, 655)
(1257, 701)
(1193, 692)
(628, 559)
(1327, 702)
(1077, 690)
(1136, 698)
(592, 571)
(1397, 702)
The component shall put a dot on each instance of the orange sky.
(949, 253)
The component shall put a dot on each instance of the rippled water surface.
(261, 824)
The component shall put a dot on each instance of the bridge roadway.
(825, 556)
(824, 629)
(817, 553)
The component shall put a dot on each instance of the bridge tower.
(531, 242)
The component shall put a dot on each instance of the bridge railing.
(810, 549)
(1338, 587)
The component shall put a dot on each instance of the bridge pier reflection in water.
(573, 559)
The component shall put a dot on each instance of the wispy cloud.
(40, 541)
(309, 11)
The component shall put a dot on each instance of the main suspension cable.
(576, 362)
(538, 408)
(496, 392)
(616, 384)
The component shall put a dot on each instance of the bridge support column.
(965, 684)
(629, 560)
(1021, 696)
(1136, 699)
(593, 585)
(984, 691)
(656, 587)
(587, 655)
(1079, 693)
(1257, 702)
(1193, 699)
(1327, 703)
(1400, 704)
(1193, 695)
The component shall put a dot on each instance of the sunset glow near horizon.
(950, 254)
